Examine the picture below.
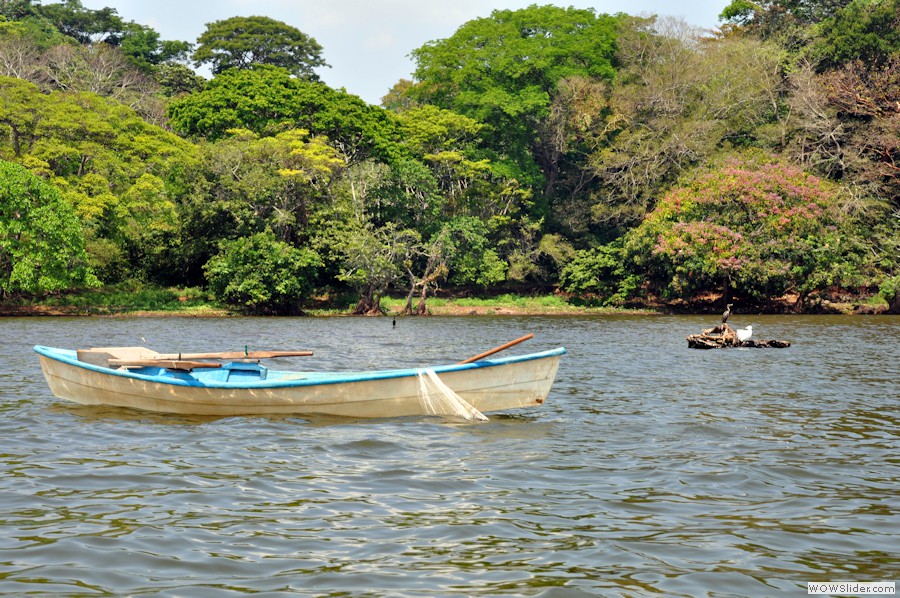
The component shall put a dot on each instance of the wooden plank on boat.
(118, 356)
(101, 355)
(169, 364)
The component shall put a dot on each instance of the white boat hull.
(496, 385)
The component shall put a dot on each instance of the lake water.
(651, 470)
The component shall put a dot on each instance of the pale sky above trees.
(367, 42)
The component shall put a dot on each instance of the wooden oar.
(169, 364)
(235, 355)
(497, 349)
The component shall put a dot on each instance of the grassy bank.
(123, 299)
(137, 299)
(142, 300)
(501, 305)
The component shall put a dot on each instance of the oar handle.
(497, 349)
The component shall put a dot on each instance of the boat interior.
(141, 360)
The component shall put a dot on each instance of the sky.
(367, 42)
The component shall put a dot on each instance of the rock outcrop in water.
(724, 336)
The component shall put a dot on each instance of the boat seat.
(101, 355)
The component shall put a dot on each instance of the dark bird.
(726, 313)
(395, 322)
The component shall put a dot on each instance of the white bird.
(744, 334)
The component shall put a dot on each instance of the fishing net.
(439, 399)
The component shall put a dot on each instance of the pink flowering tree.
(755, 227)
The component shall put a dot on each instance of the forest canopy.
(616, 160)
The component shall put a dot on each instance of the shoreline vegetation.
(544, 160)
(139, 301)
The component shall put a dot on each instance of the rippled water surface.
(651, 470)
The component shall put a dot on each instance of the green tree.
(36, 30)
(249, 184)
(94, 150)
(242, 42)
(18, 9)
(503, 69)
(460, 187)
(269, 182)
(144, 48)
(268, 100)
(599, 275)
(41, 244)
(444, 142)
(262, 275)
(471, 257)
(86, 26)
(22, 108)
(428, 278)
(177, 80)
(373, 261)
(772, 17)
(48, 25)
(399, 97)
(862, 30)
(890, 291)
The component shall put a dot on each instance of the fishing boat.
(237, 383)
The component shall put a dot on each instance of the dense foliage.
(503, 70)
(757, 228)
(123, 177)
(41, 244)
(262, 275)
(617, 158)
(241, 42)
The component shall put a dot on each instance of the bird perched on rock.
(726, 313)
(744, 334)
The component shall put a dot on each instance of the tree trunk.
(369, 304)
(14, 135)
(421, 309)
(408, 310)
(413, 283)
(894, 305)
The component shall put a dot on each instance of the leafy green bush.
(262, 275)
(41, 242)
(472, 259)
(756, 226)
(890, 290)
(598, 276)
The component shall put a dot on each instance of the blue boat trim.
(203, 379)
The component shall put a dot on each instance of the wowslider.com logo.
(851, 588)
